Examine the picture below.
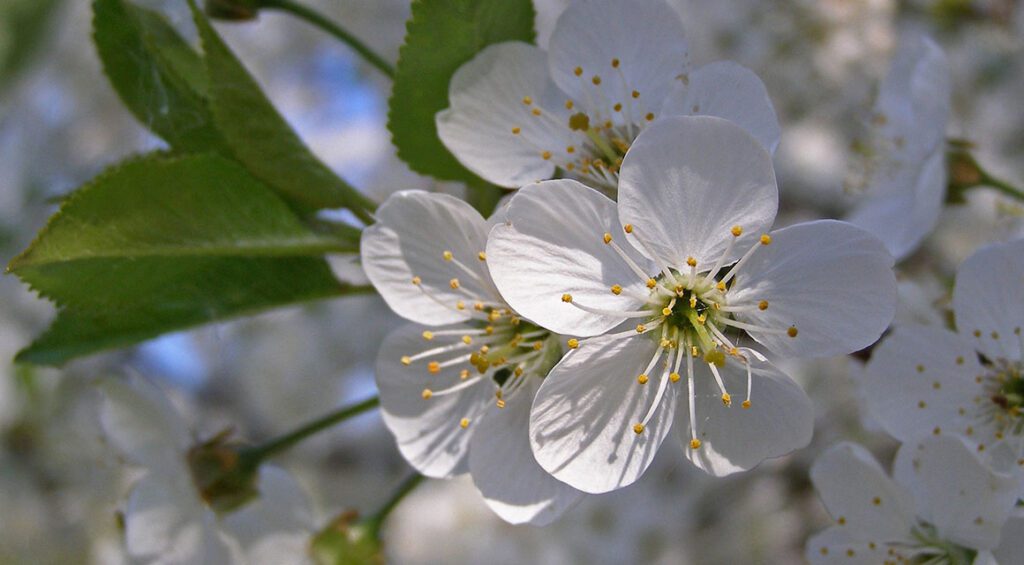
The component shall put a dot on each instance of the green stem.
(274, 446)
(375, 522)
(1002, 186)
(483, 196)
(318, 20)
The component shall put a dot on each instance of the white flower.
(457, 397)
(929, 380)
(518, 112)
(941, 506)
(167, 520)
(696, 198)
(903, 165)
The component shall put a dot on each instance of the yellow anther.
(746, 404)
(691, 262)
(494, 315)
(489, 330)
(500, 403)
(527, 100)
(516, 130)
(578, 71)
(460, 305)
(447, 255)
(734, 351)
(607, 238)
(464, 374)
(766, 239)
(639, 429)
(537, 346)
(428, 335)
(666, 343)
(674, 377)
(649, 117)
(616, 289)
(628, 228)
(694, 352)
(572, 343)
(679, 289)
(596, 80)
(535, 111)
(570, 166)
(568, 104)
(467, 340)
(481, 256)
(716, 306)
(566, 297)
(518, 371)
(702, 318)
(736, 231)
(427, 393)
(617, 107)
(484, 349)
(545, 155)
(454, 283)
(791, 332)
(417, 281)
(406, 360)
(640, 328)
(693, 301)
(695, 443)
(514, 321)
(651, 283)
(726, 399)
(720, 286)
(642, 379)
(615, 63)
(464, 423)
(762, 305)
(478, 306)
(666, 311)
(434, 367)
(635, 94)
(570, 149)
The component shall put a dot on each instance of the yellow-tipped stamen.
(428, 335)
(464, 423)
(573, 343)
(694, 442)
(638, 428)
(427, 393)
(764, 240)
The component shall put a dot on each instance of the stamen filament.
(743, 260)
(619, 313)
(751, 327)
(693, 396)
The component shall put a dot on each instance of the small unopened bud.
(346, 540)
(222, 473)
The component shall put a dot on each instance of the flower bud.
(347, 541)
(224, 476)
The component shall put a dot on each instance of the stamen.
(726, 399)
(434, 351)
(663, 265)
(462, 385)
(604, 312)
(764, 240)
(694, 442)
(629, 261)
(736, 231)
(753, 327)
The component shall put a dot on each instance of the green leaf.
(158, 76)
(442, 35)
(23, 27)
(163, 243)
(261, 139)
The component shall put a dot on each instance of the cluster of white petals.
(902, 166)
(167, 521)
(519, 114)
(942, 505)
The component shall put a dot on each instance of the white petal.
(967, 502)
(915, 98)
(413, 230)
(780, 418)
(989, 299)
(834, 546)
(487, 101)
(859, 495)
(274, 529)
(505, 471)
(686, 181)
(645, 36)
(428, 431)
(552, 244)
(903, 218)
(919, 379)
(164, 520)
(142, 423)
(1011, 544)
(581, 425)
(727, 90)
(832, 281)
